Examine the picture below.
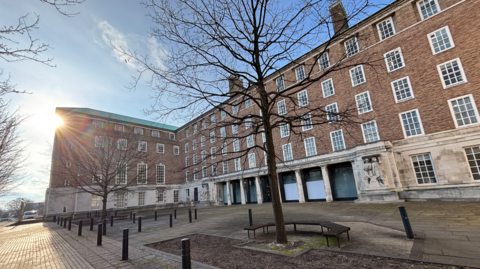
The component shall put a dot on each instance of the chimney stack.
(339, 17)
(235, 84)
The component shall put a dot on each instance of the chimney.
(339, 17)
(235, 84)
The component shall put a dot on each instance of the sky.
(88, 72)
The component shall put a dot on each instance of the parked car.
(30, 215)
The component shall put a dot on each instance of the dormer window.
(386, 29)
(280, 84)
(351, 47)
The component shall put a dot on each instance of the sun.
(57, 121)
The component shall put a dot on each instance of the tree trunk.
(104, 207)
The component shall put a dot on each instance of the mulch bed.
(220, 252)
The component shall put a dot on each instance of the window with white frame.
(213, 153)
(204, 155)
(351, 47)
(225, 167)
(394, 59)
(428, 8)
(142, 146)
(265, 157)
(236, 145)
(119, 128)
(287, 152)
(385, 29)
(224, 149)
(195, 130)
(186, 147)
(300, 73)
(121, 177)
(234, 129)
(310, 147)
(176, 150)
(280, 84)
(402, 89)
(357, 75)
(195, 174)
(187, 176)
(194, 144)
(204, 172)
(323, 61)
(202, 141)
(250, 142)
(364, 104)
(473, 158)
(99, 141)
(251, 160)
(440, 40)
(282, 108)
(141, 198)
(464, 110)
(194, 159)
(97, 124)
(212, 137)
(95, 202)
(332, 112)
(120, 199)
(411, 123)
(248, 102)
(187, 161)
(284, 130)
(204, 124)
(338, 143)
(327, 88)
(160, 148)
(160, 174)
(302, 98)
(223, 114)
(214, 169)
(234, 108)
(451, 73)
(138, 131)
(160, 197)
(187, 132)
(264, 137)
(70, 145)
(223, 133)
(423, 168)
(142, 173)
(307, 122)
(155, 134)
(238, 164)
(248, 123)
(97, 179)
(212, 119)
(175, 196)
(370, 131)
(171, 136)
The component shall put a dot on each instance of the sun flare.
(57, 121)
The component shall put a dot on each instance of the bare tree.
(116, 161)
(16, 203)
(225, 56)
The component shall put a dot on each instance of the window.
(282, 109)
(155, 133)
(323, 61)
(212, 137)
(351, 47)
(452, 73)
(223, 114)
(171, 136)
(99, 141)
(214, 169)
(307, 122)
(175, 196)
(428, 8)
(187, 192)
(187, 161)
(194, 144)
(194, 159)
(402, 89)
(160, 174)
(265, 157)
(248, 123)
(412, 125)
(186, 147)
(234, 129)
(370, 132)
(264, 137)
(119, 127)
(364, 104)
(212, 119)
(225, 167)
(423, 167)
(473, 157)
(327, 88)
(141, 173)
(195, 174)
(195, 130)
(204, 155)
(141, 198)
(160, 197)
(250, 141)
(357, 75)
(204, 124)
(287, 152)
(160, 148)
(234, 108)
(120, 199)
(284, 130)
(138, 131)
(464, 110)
(176, 150)
(95, 202)
(300, 73)
(337, 140)
(302, 98)
(280, 84)
(236, 145)
(142, 146)
(223, 133)
(187, 176)
(238, 164)
(248, 102)
(394, 60)
(202, 141)
(441, 40)
(204, 172)
(251, 160)
(385, 29)
(310, 147)
(121, 177)
(332, 112)
(224, 149)
(187, 132)
(97, 124)
(97, 179)
(70, 145)
(213, 153)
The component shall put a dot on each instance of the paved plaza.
(446, 232)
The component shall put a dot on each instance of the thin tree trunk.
(104, 207)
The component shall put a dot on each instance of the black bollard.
(170, 220)
(65, 223)
(250, 217)
(58, 220)
(111, 220)
(155, 215)
(139, 224)
(195, 214)
(175, 214)
(99, 235)
(91, 224)
(79, 228)
(406, 222)
(69, 224)
(130, 214)
(125, 245)
(61, 221)
(54, 219)
(186, 261)
(104, 226)
(133, 217)
(190, 215)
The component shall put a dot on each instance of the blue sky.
(88, 73)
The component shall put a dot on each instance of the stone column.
(301, 195)
(229, 195)
(242, 191)
(259, 190)
(326, 183)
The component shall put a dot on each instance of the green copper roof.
(113, 116)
